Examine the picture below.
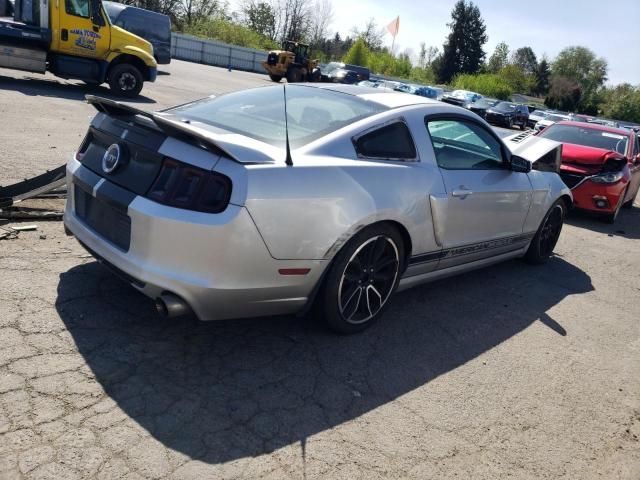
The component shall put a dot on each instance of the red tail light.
(183, 186)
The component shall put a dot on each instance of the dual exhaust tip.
(169, 305)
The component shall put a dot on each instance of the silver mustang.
(271, 200)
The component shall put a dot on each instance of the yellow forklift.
(292, 63)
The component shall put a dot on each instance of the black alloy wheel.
(548, 233)
(551, 230)
(362, 278)
(368, 279)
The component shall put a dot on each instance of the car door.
(83, 29)
(483, 211)
(634, 167)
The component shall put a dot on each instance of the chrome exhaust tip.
(169, 305)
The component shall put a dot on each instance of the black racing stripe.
(470, 249)
(116, 196)
(427, 257)
(85, 179)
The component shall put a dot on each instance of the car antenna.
(288, 160)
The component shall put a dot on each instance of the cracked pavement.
(508, 372)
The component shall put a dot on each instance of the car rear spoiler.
(233, 146)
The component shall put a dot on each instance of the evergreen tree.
(542, 77)
(358, 54)
(463, 49)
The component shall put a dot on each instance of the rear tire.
(548, 233)
(125, 80)
(362, 279)
(275, 78)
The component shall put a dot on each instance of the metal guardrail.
(212, 52)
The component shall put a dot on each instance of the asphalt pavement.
(512, 371)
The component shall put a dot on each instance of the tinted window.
(259, 113)
(79, 8)
(390, 142)
(589, 137)
(463, 145)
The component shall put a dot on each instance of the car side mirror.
(519, 164)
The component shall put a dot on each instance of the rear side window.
(390, 142)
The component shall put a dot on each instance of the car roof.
(389, 99)
(596, 126)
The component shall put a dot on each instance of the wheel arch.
(407, 245)
(132, 60)
(568, 201)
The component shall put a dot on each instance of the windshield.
(589, 137)
(333, 66)
(259, 113)
(505, 107)
(553, 118)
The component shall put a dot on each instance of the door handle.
(64, 34)
(462, 193)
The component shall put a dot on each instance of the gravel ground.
(508, 372)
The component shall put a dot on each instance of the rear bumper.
(217, 263)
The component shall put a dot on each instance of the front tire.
(547, 236)
(275, 78)
(126, 80)
(362, 279)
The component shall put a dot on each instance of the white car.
(550, 119)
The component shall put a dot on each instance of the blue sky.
(610, 28)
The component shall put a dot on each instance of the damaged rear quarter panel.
(310, 210)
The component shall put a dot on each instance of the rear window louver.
(521, 136)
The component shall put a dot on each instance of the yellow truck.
(74, 39)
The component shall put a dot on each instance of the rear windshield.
(259, 113)
(589, 137)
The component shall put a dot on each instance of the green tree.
(488, 84)
(542, 77)
(261, 18)
(526, 59)
(358, 54)
(580, 65)
(462, 52)
(515, 77)
(622, 102)
(564, 94)
(499, 59)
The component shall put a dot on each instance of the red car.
(600, 164)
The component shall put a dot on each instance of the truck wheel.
(125, 80)
(275, 78)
